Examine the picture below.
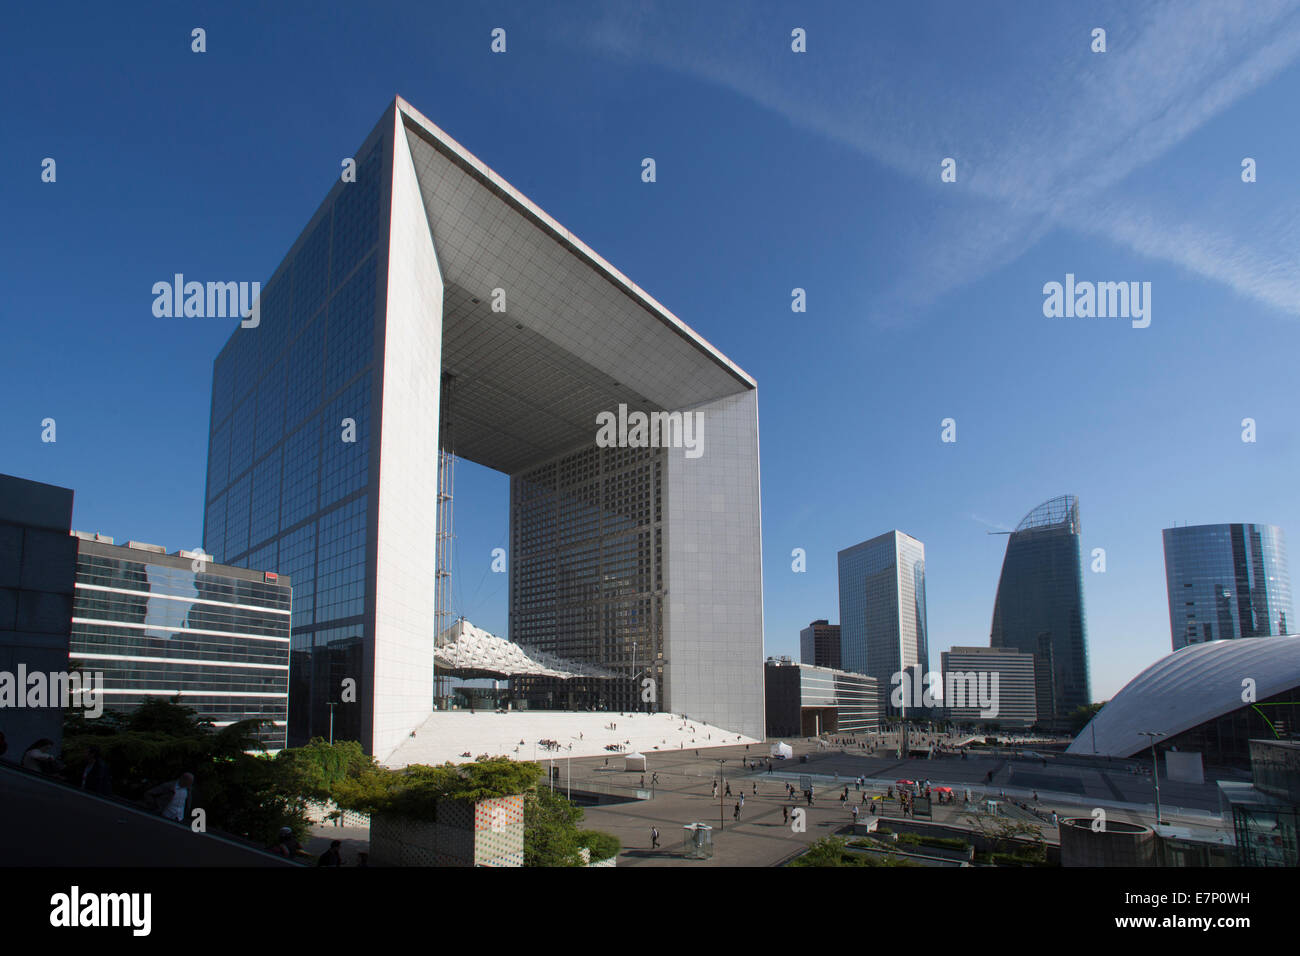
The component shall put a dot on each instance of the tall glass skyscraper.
(882, 609)
(1227, 581)
(1039, 605)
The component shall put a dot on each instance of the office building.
(1039, 606)
(970, 673)
(819, 645)
(805, 701)
(430, 311)
(1227, 581)
(882, 609)
(159, 625)
(37, 566)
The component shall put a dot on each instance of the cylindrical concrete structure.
(1114, 844)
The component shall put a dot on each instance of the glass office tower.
(1227, 581)
(156, 627)
(882, 609)
(1039, 605)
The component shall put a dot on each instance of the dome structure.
(1189, 687)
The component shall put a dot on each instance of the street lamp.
(722, 823)
(332, 704)
(1151, 735)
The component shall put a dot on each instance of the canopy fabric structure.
(634, 761)
(781, 749)
(464, 650)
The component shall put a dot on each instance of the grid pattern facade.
(155, 627)
(1015, 700)
(1227, 581)
(587, 576)
(883, 626)
(803, 700)
(819, 644)
(291, 438)
(1039, 605)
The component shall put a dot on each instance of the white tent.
(635, 761)
(782, 751)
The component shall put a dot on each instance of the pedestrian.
(174, 798)
(728, 793)
(654, 838)
(286, 844)
(742, 798)
(785, 813)
(332, 856)
(854, 808)
(40, 757)
(755, 788)
(95, 777)
(735, 813)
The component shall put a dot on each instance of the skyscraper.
(429, 307)
(882, 609)
(1039, 605)
(1227, 581)
(819, 644)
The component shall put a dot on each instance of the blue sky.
(776, 170)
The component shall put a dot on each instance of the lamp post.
(332, 704)
(1151, 735)
(722, 823)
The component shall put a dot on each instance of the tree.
(1002, 832)
(551, 829)
(1080, 716)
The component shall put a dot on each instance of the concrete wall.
(714, 605)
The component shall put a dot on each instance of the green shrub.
(602, 845)
(416, 791)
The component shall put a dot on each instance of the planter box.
(486, 833)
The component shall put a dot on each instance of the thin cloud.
(1051, 155)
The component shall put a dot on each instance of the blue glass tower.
(883, 628)
(1039, 605)
(1227, 581)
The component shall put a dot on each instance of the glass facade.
(883, 628)
(805, 701)
(289, 461)
(588, 562)
(819, 644)
(155, 627)
(1039, 605)
(1227, 581)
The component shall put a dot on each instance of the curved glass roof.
(1189, 687)
(1062, 511)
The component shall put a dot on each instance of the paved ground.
(683, 795)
